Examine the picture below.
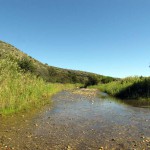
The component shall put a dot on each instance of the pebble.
(29, 136)
(147, 140)
(69, 147)
(36, 125)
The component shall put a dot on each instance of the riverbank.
(22, 92)
(75, 122)
(128, 88)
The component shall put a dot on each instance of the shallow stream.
(79, 122)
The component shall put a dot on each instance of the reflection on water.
(136, 103)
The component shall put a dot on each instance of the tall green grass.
(20, 91)
(131, 88)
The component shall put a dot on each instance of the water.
(82, 122)
(96, 122)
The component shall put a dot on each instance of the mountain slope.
(48, 73)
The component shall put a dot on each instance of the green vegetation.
(92, 80)
(26, 65)
(20, 88)
(128, 88)
(26, 83)
(48, 73)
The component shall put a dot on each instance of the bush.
(129, 88)
(92, 80)
(26, 65)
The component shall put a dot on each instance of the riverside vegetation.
(19, 90)
(128, 88)
(26, 83)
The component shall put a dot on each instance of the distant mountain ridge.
(48, 73)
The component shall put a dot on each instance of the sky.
(108, 37)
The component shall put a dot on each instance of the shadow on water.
(132, 102)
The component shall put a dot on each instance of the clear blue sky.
(109, 37)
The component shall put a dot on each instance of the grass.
(23, 81)
(128, 88)
(21, 91)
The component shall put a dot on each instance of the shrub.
(130, 88)
(92, 80)
(26, 64)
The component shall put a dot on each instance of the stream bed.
(78, 122)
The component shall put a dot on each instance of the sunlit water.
(84, 122)
(79, 122)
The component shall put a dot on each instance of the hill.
(27, 83)
(49, 73)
